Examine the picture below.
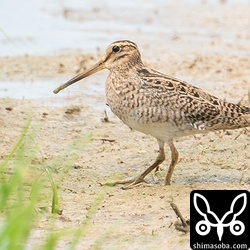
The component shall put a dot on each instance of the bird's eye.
(116, 49)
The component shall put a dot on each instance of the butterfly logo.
(203, 227)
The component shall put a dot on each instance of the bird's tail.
(232, 116)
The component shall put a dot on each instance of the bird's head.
(118, 54)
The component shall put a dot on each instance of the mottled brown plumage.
(160, 105)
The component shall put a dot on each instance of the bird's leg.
(139, 179)
(174, 159)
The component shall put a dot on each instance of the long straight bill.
(97, 67)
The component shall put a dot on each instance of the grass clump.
(24, 185)
(17, 212)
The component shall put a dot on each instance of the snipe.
(160, 105)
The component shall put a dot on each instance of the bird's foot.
(134, 182)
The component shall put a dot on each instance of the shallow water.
(42, 91)
(43, 27)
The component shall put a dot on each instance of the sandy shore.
(139, 218)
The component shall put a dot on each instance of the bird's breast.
(146, 113)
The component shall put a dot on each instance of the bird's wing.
(195, 105)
